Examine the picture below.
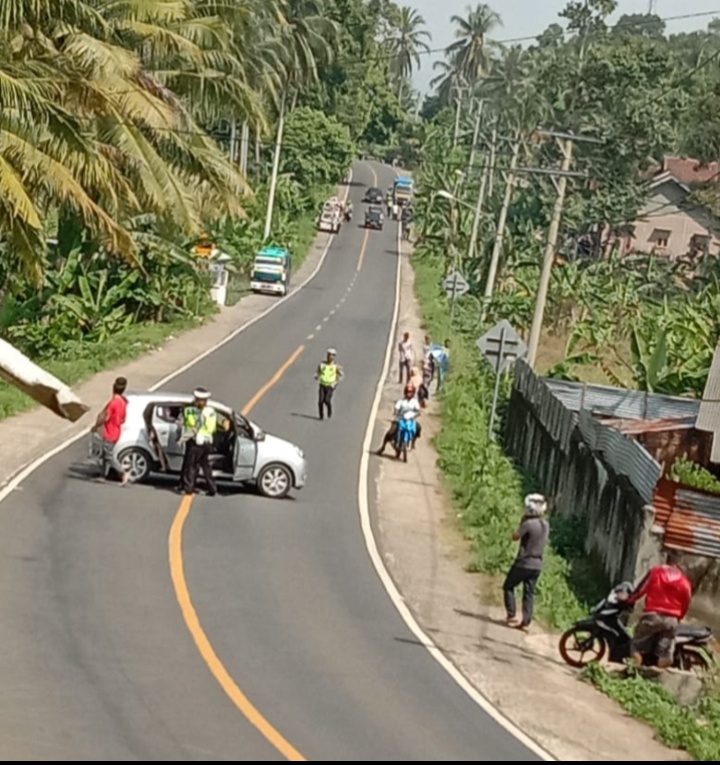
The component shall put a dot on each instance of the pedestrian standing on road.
(329, 373)
(533, 534)
(198, 427)
(405, 358)
(110, 421)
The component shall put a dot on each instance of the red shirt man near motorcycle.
(667, 592)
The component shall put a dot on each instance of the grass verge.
(487, 488)
(696, 729)
(133, 342)
(124, 346)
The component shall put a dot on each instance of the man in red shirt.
(667, 592)
(111, 420)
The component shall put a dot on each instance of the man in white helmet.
(328, 373)
(533, 534)
(198, 425)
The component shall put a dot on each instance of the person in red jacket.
(667, 592)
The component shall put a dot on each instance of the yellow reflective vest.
(329, 374)
(201, 424)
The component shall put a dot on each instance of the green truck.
(271, 271)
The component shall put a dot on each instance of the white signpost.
(502, 347)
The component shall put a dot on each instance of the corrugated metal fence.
(593, 472)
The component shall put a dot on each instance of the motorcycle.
(605, 632)
(405, 435)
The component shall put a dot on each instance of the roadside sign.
(502, 346)
(455, 285)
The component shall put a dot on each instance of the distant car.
(374, 218)
(374, 196)
(242, 454)
(329, 220)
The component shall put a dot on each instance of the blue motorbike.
(406, 433)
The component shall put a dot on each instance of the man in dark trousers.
(668, 593)
(110, 421)
(533, 534)
(198, 425)
(328, 375)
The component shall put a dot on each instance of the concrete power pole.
(500, 235)
(275, 169)
(549, 258)
(487, 172)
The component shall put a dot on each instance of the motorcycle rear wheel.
(590, 647)
(691, 659)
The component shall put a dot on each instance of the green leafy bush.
(695, 729)
(689, 473)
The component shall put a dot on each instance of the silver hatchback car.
(242, 452)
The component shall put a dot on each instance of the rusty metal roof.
(709, 413)
(694, 523)
(604, 400)
(638, 427)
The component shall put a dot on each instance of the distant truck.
(402, 191)
(271, 271)
(331, 216)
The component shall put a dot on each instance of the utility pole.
(567, 142)
(275, 169)
(487, 172)
(476, 133)
(233, 141)
(499, 236)
(244, 141)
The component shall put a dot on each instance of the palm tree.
(303, 37)
(406, 43)
(471, 46)
(89, 129)
(450, 81)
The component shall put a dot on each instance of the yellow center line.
(362, 250)
(182, 592)
(272, 382)
(367, 231)
(177, 572)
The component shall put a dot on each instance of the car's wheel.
(275, 481)
(137, 463)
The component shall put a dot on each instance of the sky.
(524, 18)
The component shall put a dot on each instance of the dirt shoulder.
(425, 553)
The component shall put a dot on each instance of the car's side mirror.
(259, 435)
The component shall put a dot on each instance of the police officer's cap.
(332, 352)
(202, 394)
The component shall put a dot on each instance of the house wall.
(663, 211)
(666, 446)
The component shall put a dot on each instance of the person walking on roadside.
(405, 358)
(198, 427)
(328, 373)
(110, 421)
(533, 534)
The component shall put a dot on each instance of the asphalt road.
(96, 659)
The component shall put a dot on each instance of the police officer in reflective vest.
(329, 374)
(199, 423)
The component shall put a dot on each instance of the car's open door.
(245, 450)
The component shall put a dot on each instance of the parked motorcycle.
(605, 632)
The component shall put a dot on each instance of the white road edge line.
(372, 548)
(14, 481)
